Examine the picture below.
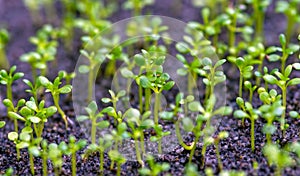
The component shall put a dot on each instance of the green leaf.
(8, 103)
(34, 151)
(288, 71)
(282, 39)
(103, 124)
(65, 89)
(146, 124)
(82, 118)
(44, 81)
(34, 119)
(18, 76)
(51, 111)
(25, 137)
(2, 124)
(145, 83)
(22, 145)
(31, 105)
(182, 47)
(273, 57)
(224, 110)
(127, 73)
(240, 114)
(105, 100)
(27, 129)
(294, 114)
(168, 85)
(296, 66)
(12, 136)
(83, 69)
(139, 60)
(270, 79)
(188, 124)
(294, 81)
(195, 107)
(16, 116)
(166, 115)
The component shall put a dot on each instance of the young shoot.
(93, 116)
(117, 157)
(55, 90)
(154, 169)
(138, 123)
(4, 38)
(11, 108)
(283, 82)
(247, 111)
(222, 135)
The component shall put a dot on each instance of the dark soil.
(235, 150)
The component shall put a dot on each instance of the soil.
(235, 150)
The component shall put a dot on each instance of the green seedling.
(34, 115)
(245, 69)
(137, 6)
(251, 89)
(291, 11)
(205, 116)
(150, 61)
(259, 11)
(105, 142)
(257, 53)
(270, 112)
(232, 18)
(93, 116)
(190, 69)
(11, 108)
(159, 135)
(154, 168)
(278, 157)
(26, 140)
(73, 147)
(8, 78)
(283, 82)
(247, 111)
(268, 97)
(46, 48)
(286, 50)
(138, 123)
(115, 156)
(34, 88)
(114, 98)
(265, 72)
(55, 90)
(94, 61)
(44, 155)
(55, 154)
(157, 82)
(222, 135)
(4, 38)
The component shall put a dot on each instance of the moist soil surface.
(235, 151)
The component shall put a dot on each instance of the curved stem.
(180, 140)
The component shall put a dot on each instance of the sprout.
(154, 168)
(4, 38)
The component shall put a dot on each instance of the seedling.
(93, 116)
(114, 98)
(35, 114)
(73, 147)
(8, 78)
(56, 90)
(283, 82)
(245, 70)
(259, 10)
(137, 6)
(205, 116)
(251, 89)
(138, 124)
(154, 168)
(46, 49)
(270, 112)
(265, 72)
(44, 155)
(11, 108)
(55, 154)
(247, 111)
(34, 88)
(94, 60)
(151, 63)
(192, 170)
(157, 82)
(220, 136)
(4, 38)
(25, 140)
(159, 135)
(115, 156)
(278, 157)
(105, 142)
(291, 11)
